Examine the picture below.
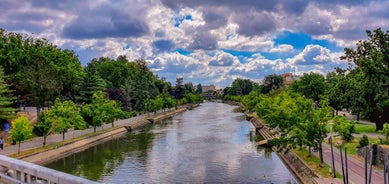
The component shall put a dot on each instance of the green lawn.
(352, 146)
(314, 163)
(363, 128)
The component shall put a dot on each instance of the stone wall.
(379, 154)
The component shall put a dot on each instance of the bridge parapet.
(18, 171)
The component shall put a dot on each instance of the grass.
(363, 128)
(352, 146)
(314, 163)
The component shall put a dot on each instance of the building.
(289, 78)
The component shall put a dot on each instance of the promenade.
(55, 138)
(356, 166)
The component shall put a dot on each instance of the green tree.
(6, 100)
(110, 111)
(101, 110)
(371, 59)
(272, 82)
(199, 89)
(310, 85)
(63, 116)
(337, 89)
(344, 127)
(240, 87)
(385, 133)
(43, 127)
(21, 130)
(179, 90)
(39, 78)
(91, 84)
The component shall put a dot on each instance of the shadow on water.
(104, 158)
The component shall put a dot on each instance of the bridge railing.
(18, 171)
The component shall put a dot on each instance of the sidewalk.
(356, 167)
(38, 141)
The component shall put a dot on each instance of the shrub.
(363, 142)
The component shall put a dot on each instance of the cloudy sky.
(207, 42)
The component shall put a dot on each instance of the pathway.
(38, 141)
(356, 167)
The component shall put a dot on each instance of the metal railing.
(18, 171)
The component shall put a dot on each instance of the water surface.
(210, 144)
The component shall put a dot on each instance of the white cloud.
(282, 48)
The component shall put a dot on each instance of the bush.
(363, 142)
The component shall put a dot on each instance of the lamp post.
(331, 123)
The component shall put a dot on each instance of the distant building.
(210, 91)
(289, 78)
(209, 88)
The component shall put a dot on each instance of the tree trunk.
(19, 148)
(44, 140)
(309, 151)
(321, 153)
(358, 116)
(113, 124)
(94, 128)
(63, 135)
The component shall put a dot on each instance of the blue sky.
(207, 42)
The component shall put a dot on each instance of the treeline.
(34, 72)
(300, 113)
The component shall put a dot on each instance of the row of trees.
(362, 88)
(299, 113)
(34, 72)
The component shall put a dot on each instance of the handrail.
(19, 171)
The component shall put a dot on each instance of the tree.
(63, 116)
(239, 87)
(311, 85)
(336, 90)
(272, 82)
(101, 110)
(179, 90)
(6, 111)
(110, 111)
(199, 89)
(294, 120)
(91, 84)
(344, 127)
(371, 59)
(44, 126)
(39, 80)
(21, 130)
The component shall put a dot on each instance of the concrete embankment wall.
(166, 115)
(63, 151)
(299, 168)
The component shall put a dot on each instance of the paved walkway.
(38, 141)
(356, 167)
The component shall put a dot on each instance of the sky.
(204, 41)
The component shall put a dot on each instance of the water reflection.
(210, 144)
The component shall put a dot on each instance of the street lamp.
(331, 123)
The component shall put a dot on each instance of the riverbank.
(301, 170)
(42, 156)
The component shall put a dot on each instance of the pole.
(385, 160)
(345, 157)
(341, 160)
(366, 165)
(371, 164)
(332, 156)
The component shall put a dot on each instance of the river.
(210, 144)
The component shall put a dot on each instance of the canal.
(210, 144)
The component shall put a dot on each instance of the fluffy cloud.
(315, 58)
(187, 38)
(311, 55)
